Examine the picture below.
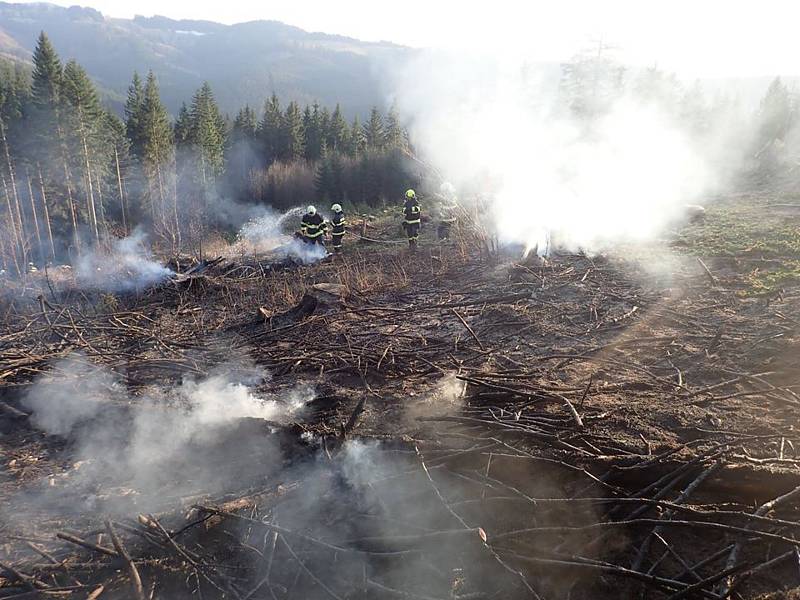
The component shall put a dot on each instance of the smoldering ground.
(127, 265)
(377, 517)
(121, 452)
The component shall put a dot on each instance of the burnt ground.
(480, 426)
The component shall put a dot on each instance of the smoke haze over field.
(165, 439)
(127, 266)
(620, 166)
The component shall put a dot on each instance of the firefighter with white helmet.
(313, 227)
(337, 227)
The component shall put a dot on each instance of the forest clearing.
(453, 423)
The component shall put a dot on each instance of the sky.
(696, 38)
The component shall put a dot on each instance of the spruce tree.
(154, 126)
(775, 112)
(324, 126)
(393, 132)
(44, 126)
(373, 131)
(323, 178)
(312, 134)
(337, 131)
(133, 116)
(87, 137)
(183, 126)
(242, 146)
(291, 147)
(245, 125)
(207, 133)
(157, 156)
(357, 144)
(47, 76)
(270, 129)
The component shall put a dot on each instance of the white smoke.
(128, 265)
(269, 230)
(177, 438)
(270, 233)
(75, 392)
(499, 126)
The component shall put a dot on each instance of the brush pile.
(482, 428)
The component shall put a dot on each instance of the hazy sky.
(695, 37)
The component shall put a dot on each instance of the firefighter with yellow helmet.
(412, 218)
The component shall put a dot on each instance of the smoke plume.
(618, 167)
(165, 442)
(128, 265)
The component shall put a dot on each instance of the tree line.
(74, 175)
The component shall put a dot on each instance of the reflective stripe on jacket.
(338, 222)
(412, 211)
(313, 226)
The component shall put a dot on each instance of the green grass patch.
(764, 282)
(750, 228)
(743, 229)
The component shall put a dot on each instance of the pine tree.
(183, 126)
(87, 136)
(207, 133)
(775, 112)
(357, 144)
(46, 78)
(337, 131)
(312, 131)
(133, 116)
(323, 177)
(242, 145)
(121, 162)
(291, 147)
(324, 126)
(337, 179)
(154, 125)
(14, 92)
(43, 119)
(157, 156)
(393, 133)
(246, 123)
(270, 130)
(373, 131)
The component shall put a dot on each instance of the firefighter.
(337, 227)
(313, 227)
(412, 214)
(447, 210)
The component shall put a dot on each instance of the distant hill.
(244, 63)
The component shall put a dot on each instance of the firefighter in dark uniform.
(313, 227)
(337, 227)
(412, 214)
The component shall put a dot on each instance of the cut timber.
(329, 293)
(304, 309)
(12, 412)
(739, 483)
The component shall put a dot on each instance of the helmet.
(411, 194)
(447, 188)
(336, 208)
(312, 210)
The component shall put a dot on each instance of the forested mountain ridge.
(244, 63)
